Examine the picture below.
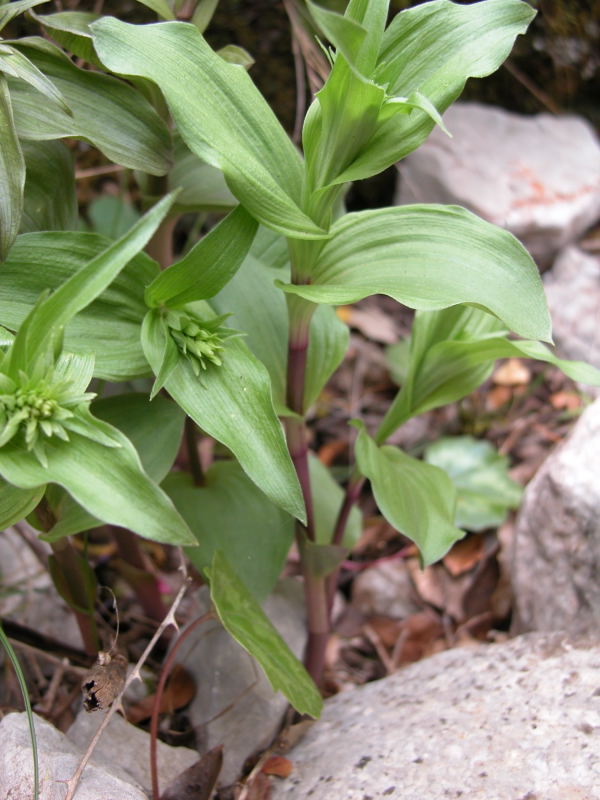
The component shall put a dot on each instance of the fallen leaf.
(512, 373)
(179, 691)
(372, 322)
(569, 401)
(464, 555)
(278, 765)
(198, 781)
(497, 398)
(258, 787)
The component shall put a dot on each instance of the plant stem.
(191, 444)
(70, 582)
(136, 570)
(315, 589)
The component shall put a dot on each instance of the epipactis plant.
(274, 268)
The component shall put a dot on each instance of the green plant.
(271, 270)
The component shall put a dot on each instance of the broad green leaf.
(50, 202)
(228, 124)
(341, 121)
(450, 363)
(12, 173)
(106, 111)
(154, 429)
(112, 216)
(87, 283)
(328, 497)
(202, 187)
(71, 30)
(16, 504)
(418, 499)
(16, 65)
(209, 265)
(430, 257)
(230, 514)
(109, 326)
(245, 620)
(108, 482)
(485, 492)
(328, 344)
(232, 403)
(160, 7)
(9, 11)
(433, 48)
(457, 379)
(259, 309)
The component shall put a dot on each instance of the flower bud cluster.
(37, 409)
(200, 340)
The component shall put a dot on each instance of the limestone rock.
(234, 704)
(128, 748)
(511, 721)
(538, 176)
(573, 292)
(59, 758)
(556, 557)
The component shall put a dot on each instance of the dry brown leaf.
(372, 322)
(497, 397)
(569, 401)
(198, 781)
(278, 765)
(179, 691)
(387, 629)
(512, 373)
(331, 450)
(258, 787)
(464, 555)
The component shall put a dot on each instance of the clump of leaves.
(284, 255)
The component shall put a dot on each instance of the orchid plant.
(238, 337)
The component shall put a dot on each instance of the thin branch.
(134, 674)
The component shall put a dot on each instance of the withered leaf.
(105, 681)
(198, 781)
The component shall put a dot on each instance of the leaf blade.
(413, 252)
(12, 173)
(232, 129)
(244, 619)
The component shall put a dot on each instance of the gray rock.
(59, 758)
(385, 589)
(538, 176)
(512, 721)
(234, 704)
(573, 292)
(128, 748)
(556, 558)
